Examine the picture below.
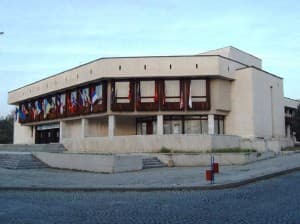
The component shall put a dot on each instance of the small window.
(170, 66)
(120, 67)
(145, 67)
(196, 66)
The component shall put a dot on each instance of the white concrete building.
(217, 99)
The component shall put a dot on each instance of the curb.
(160, 188)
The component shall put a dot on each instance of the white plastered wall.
(240, 119)
(268, 105)
(23, 134)
(254, 113)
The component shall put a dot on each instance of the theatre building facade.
(141, 104)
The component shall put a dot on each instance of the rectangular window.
(192, 127)
(146, 126)
(172, 90)
(198, 90)
(147, 89)
(122, 92)
(219, 124)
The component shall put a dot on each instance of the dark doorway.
(47, 136)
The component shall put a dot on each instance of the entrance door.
(47, 136)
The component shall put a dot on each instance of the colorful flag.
(190, 95)
(138, 93)
(16, 113)
(129, 93)
(156, 92)
(181, 98)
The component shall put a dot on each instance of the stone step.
(20, 161)
(32, 147)
(152, 162)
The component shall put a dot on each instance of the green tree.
(6, 129)
(296, 123)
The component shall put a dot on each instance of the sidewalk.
(177, 178)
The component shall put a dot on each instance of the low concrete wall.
(264, 145)
(91, 162)
(203, 159)
(151, 143)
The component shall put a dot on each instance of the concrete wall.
(97, 127)
(256, 109)
(238, 55)
(125, 126)
(268, 108)
(291, 103)
(72, 129)
(220, 95)
(130, 68)
(240, 119)
(203, 159)
(151, 143)
(23, 134)
(94, 163)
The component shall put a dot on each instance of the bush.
(165, 150)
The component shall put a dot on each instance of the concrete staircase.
(18, 160)
(53, 147)
(152, 162)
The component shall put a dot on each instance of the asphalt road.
(276, 200)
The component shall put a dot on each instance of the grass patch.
(165, 150)
(296, 148)
(232, 150)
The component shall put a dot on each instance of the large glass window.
(146, 126)
(195, 125)
(219, 124)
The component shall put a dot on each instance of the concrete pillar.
(108, 96)
(61, 130)
(211, 124)
(33, 134)
(84, 124)
(160, 125)
(111, 125)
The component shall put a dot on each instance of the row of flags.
(85, 98)
(71, 102)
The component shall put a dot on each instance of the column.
(61, 130)
(160, 125)
(84, 124)
(211, 124)
(111, 125)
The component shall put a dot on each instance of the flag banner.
(80, 101)
(84, 100)
(181, 96)
(130, 93)
(23, 113)
(156, 92)
(61, 104)
(16, 113)
(138, 93)
(37, 110)
(113, 95)
(30, 112)
(190, 95)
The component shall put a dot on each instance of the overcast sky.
(45, 37)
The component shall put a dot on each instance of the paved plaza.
(273, 201)
(159, 178)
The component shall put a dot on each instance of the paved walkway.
(150, 179)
